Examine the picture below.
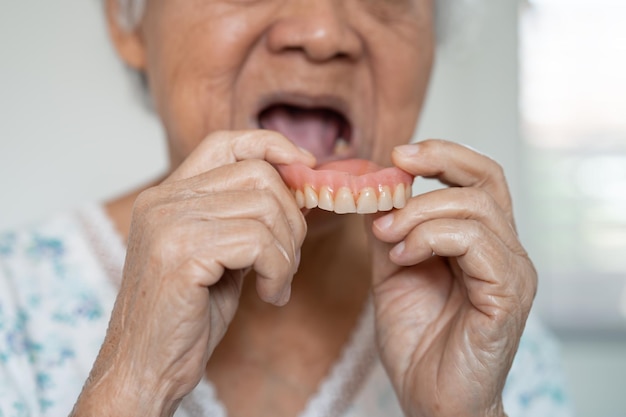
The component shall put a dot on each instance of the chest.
(277, 368)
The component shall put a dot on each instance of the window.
(573, 113)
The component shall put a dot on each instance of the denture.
(348, 186)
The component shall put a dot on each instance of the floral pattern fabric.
(56, 295)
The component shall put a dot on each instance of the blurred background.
(540, 86)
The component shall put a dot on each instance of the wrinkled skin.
(451, 284)
(453, 296)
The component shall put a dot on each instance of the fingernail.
(408, 150)
(285, 296)
(306, 152)
(397, 250)
(384, 222)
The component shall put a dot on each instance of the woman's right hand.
(192, 240)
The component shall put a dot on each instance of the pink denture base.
(355, 174)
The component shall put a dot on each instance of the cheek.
(400, 48)
(403, 84)
(194, 58)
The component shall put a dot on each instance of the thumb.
(227, 147)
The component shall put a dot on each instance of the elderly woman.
(244, 291)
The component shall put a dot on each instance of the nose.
(318, 28)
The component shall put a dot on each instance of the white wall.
(70, 128)
(72, 131)
(474, 93)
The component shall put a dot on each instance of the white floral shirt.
(58, 282)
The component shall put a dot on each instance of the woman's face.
(315, 70)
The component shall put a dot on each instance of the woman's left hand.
(452, 285)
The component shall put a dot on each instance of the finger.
(253, 191)
(493, 275)
(247, 176)
(466, 203)
(236, 244)
(455, 165)
(256, 205)
(227, 147)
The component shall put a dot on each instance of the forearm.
(108, 397)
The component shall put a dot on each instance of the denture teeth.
(367, 202)
(325, 201)
(399, 196)
(310, 197)
(385, 199)
(300, 201)
(344, 201)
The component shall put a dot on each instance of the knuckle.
(269, 208)
(146, 200)
(263, 201)
(217, 136)
(476, 234)
(427, 146)
(273, 258)
(497, 168)
(151, 211)
(259, 173)
(270, 201)
(474, 203)
(266, 134)
(247, 140)
(244, 139)
(530, 285)
(484, 203)
(262, 231)
(498, 174)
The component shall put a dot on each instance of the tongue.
(316, 130)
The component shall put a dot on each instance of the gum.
(354, 174)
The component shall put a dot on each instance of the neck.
(336, 261)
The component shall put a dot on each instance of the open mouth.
(323, 131)
(338, 183)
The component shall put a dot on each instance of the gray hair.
(456, 20)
